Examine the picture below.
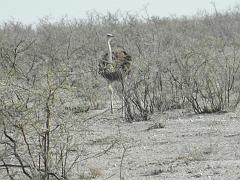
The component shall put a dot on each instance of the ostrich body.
(114, 66)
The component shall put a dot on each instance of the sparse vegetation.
(177, 63)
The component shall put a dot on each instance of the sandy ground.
(174, 145)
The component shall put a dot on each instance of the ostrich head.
(110, 35)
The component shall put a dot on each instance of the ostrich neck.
(110, 51)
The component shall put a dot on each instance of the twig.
(14, 147)
(7, 169)
(121, 164)
(27, 166)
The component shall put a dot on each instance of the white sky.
(30, 11)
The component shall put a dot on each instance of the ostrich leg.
(111, 94)
(123, 99)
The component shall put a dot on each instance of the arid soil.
(175, 145)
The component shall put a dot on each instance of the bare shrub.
(177, 63)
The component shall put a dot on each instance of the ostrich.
(114, 66)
